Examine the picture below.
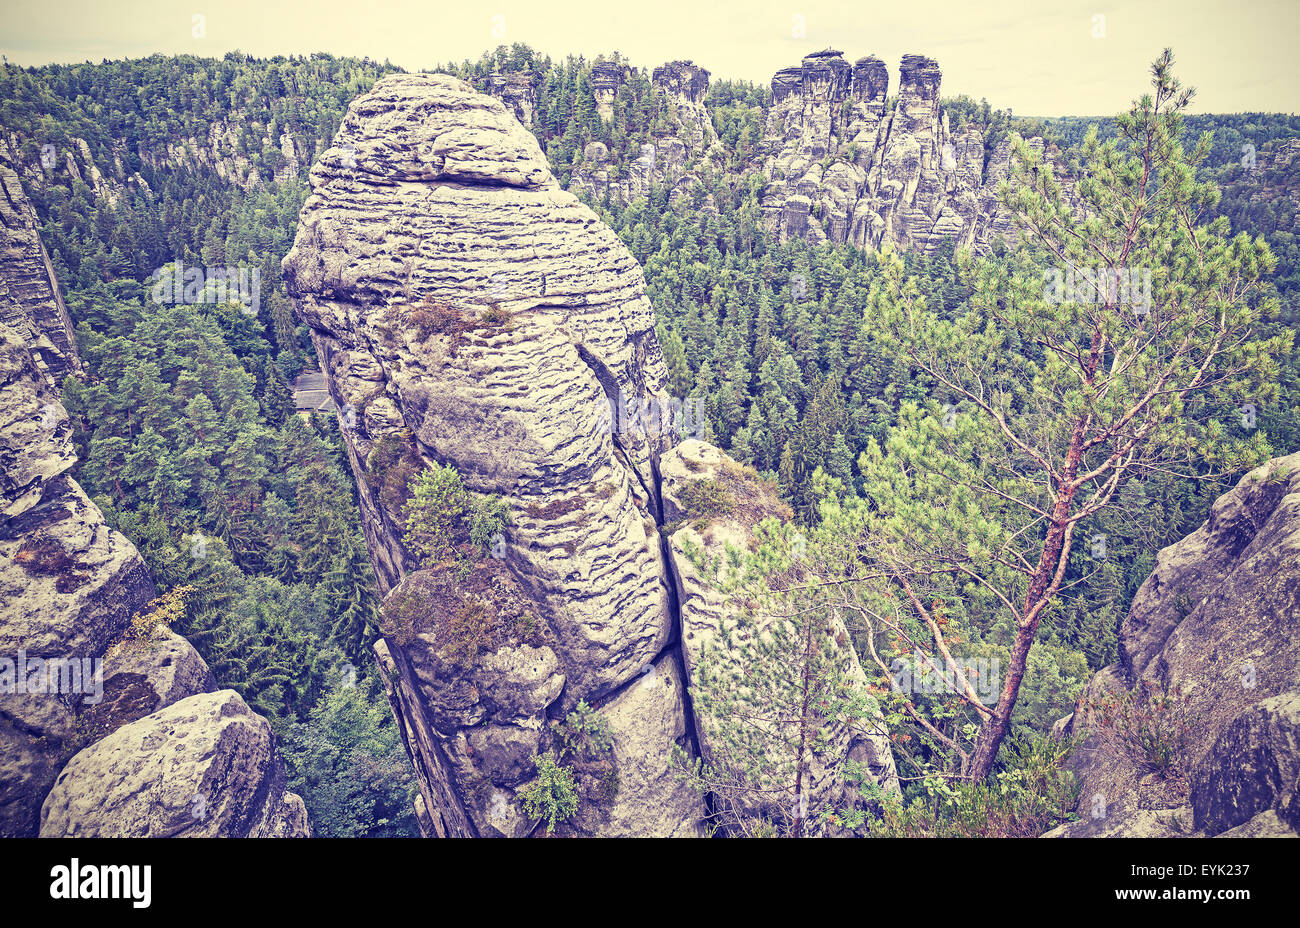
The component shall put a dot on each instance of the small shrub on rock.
(553, 797)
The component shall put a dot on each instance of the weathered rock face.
(69, 584)
(206, 766)
(712, 629)
(842, 169)
(1215, 625)
(606, 78)
(472, 313)
(30, 302)
(451, 210)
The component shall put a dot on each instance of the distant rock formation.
(30, 302)
(667, 159)
(518, 91)
(842, 167)
(606, 78)
(470, 312)
(1213, 633)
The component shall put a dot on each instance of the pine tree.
(989, 492)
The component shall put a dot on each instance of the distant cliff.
(842, 161)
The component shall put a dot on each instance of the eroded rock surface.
(1213, 631)
(206, 766)
(473, 313)
(30, 302)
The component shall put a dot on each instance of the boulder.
(206, 766)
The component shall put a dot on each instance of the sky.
(1035, 57)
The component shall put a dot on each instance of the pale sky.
(1038, 57)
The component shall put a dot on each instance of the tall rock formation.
(472, 313)
(842, 167)
(1210, 665)
(518, 91)
(606, 79)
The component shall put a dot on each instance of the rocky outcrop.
(686, 84)
(204, 767)
(474, 314)
(30, 302)
(843, 167)
(70, 585)
(1210, 657)
(606, 79)
(714, 633)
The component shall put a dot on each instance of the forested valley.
(191, 444)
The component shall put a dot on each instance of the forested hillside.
(185, 422)
(189, 440)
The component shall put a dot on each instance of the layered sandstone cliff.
(472, 313)
(844, 166)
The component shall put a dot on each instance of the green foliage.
(704, 498)
(553, 796)
(433, 513)
(585, 728)
(348, 764)
(488, 519)
(440, 514)
(777, 693)
(1032, 794)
